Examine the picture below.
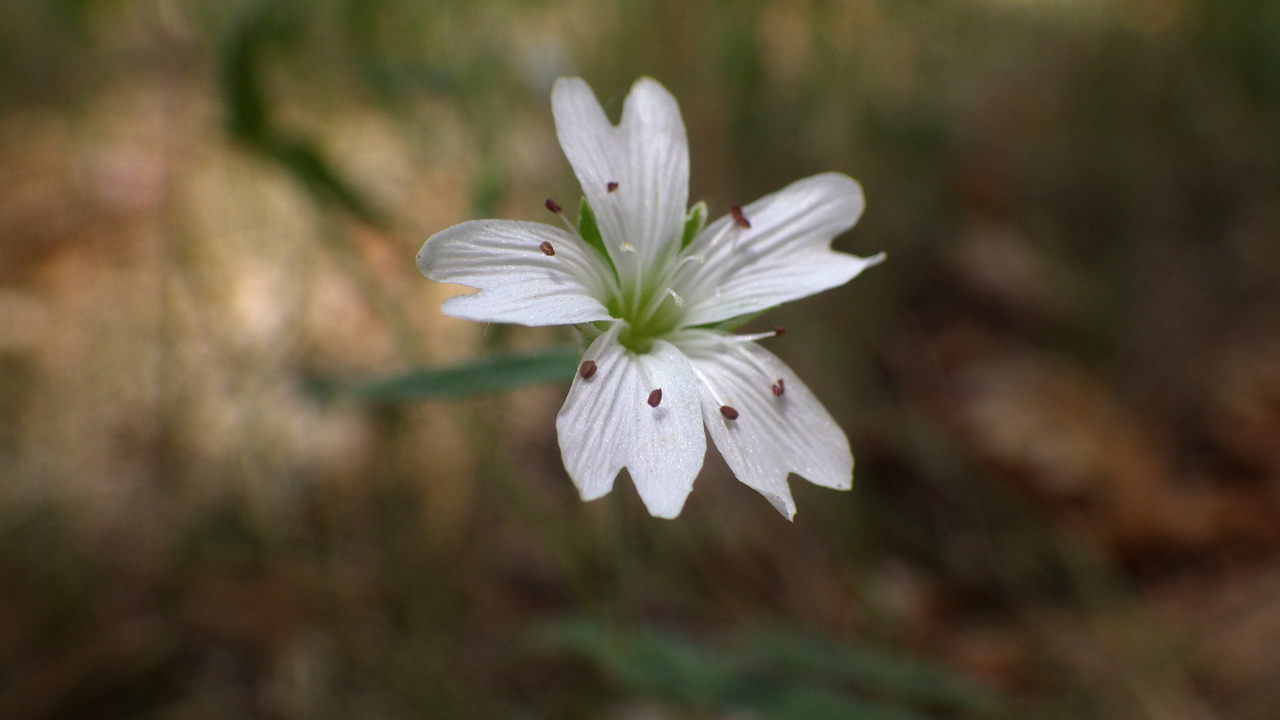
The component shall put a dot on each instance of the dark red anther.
(611, 186)
(779, 388)
(553, 206)
(779, 331)
(546, 248)
(655, 397)
(587, 369)
(738, 218)
(728, 412)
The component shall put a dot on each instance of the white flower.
(650, 285)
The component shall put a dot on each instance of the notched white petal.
(527, 273)
(610, 420)
(635, 174)
(784, 255)
(774, 433)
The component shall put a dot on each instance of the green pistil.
(650, 311)
(635, 342)
(643, 331)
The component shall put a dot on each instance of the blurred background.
(235, 482)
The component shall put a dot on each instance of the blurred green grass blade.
(811, 704)
(655, 664)
(304, 161)
(674, 668)
(488, 374)
(798, 655)
(241, 94)
(772, 675)
(249, 117)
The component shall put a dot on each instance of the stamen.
(554, 207)
(721, 233)
(750, 338)
(550, 251)
(712, 388)
(655, 397)
(779, 331)
(671, 273)
(738, 218)
(691, 258)
(728, 412)
(610, 186)
(587, 369)
(637, 288)
(779, 388)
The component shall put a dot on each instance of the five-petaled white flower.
(654, 290)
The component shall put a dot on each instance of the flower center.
(644, 295)
(651, 313)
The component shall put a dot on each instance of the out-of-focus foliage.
(1063, 388)
(500, 372)
(775, 674)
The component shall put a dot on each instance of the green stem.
(621, 601)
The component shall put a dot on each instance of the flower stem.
(621, 602)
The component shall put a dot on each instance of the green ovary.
(644, 322)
